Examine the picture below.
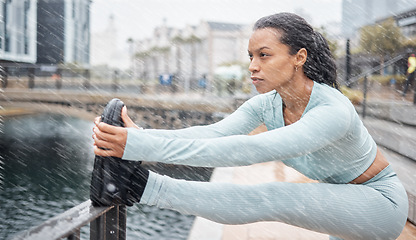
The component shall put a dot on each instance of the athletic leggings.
(376, 209)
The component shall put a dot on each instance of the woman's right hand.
(111, 140)
(126, 119)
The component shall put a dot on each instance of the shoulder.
(324, 94)
(331, 101)
(263, 100)
(262, 104)
(265, 96)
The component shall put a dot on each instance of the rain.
(177, 64)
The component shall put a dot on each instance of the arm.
(318, 128)
(111, 141)
(242, 121)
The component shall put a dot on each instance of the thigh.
(343, 210)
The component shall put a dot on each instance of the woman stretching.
(312, 128)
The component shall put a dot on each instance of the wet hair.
(297, 33)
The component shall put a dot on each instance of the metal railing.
(365, 75)
(376, 68)
(106, 223)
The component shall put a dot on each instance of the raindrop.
(111, 187)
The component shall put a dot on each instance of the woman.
(311, 126)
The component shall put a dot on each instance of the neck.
(296, 97)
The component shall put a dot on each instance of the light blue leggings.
(376, 209)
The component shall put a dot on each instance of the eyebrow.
(265, 47)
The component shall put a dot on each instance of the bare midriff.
(376, 167)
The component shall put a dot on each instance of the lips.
(256, 79)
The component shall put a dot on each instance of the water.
(45, 169)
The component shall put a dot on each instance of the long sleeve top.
(329, 143)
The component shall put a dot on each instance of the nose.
(254, 66)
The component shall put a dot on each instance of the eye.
(250, 56)
(263, 54)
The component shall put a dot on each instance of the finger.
(126, 119)
(97, 120)
(108, 141)
(104, 135)
(106, 152)
(102, 143)
(112, 133)
(101, 152)
(107, 128)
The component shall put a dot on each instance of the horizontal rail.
(377, 68)
(68, 224)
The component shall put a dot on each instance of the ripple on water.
(47, 170)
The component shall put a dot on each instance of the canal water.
(45, 169)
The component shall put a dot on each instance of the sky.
(137, 18)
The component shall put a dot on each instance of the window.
(25, 27)
(6, 35)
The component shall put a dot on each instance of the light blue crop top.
(329, 143)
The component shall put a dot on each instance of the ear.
(301, 56)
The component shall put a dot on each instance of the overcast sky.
(138, 18)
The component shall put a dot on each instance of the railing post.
(75, 236)
(365, 96)
(414, 96)
(87, 79)
(3, 76)
(348, 64)
(111, 225)
(115, 81)
(58, 78)
(31, 76)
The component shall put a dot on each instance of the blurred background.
(184, 46)
(68, 54)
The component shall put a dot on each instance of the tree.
(381, 39)
(410, 43)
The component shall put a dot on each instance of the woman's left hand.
(109, 140)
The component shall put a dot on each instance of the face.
(271, 65)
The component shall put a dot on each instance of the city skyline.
(138, 19)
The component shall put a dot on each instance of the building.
(63, 32)
(18, 31)
(407, 23)
(358, 13)
(192, 53)
(104, 48)
(42, 34)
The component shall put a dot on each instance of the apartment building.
(191, 53)
(42, 34)
(358, 13)
(18, 31)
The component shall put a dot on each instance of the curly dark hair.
(297, 33)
